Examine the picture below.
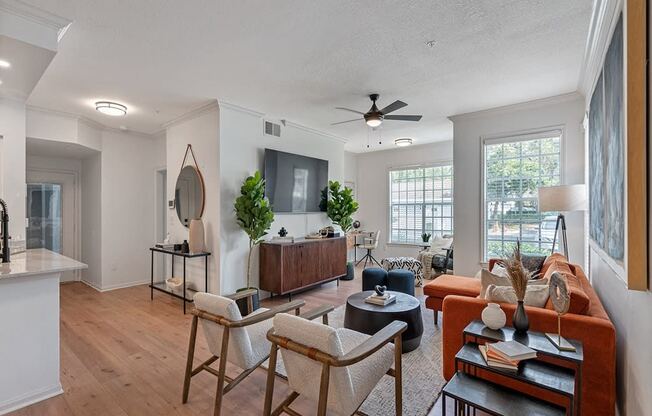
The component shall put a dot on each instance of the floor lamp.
(563, 198)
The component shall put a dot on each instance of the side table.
(473, 392)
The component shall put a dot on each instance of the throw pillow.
(489, 278)
(535, 295)
(533, 264)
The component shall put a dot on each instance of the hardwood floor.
(122, 354)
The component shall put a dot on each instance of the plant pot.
(520, 321)
(350, 272)
(242, 303)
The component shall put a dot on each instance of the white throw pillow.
(439, 244)
(500, 279)
(535, 295)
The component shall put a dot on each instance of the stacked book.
(506, 355)
(383, 300)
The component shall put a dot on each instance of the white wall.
(565, 111)
(373, 190)
(12, 164)
(242, 145)
(91, 219)
(128, 183)
(201, 130)
(630, 312)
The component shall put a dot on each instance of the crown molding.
(297, 126)
(240, 109)
(603, 20)
(284, 122)
(36, 15)
(557, 99)
(194, 113)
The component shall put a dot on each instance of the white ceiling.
(297, 60)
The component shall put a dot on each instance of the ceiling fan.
(374, 117)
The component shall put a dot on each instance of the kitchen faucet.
(4, 218)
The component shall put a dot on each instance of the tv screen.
(294, 183)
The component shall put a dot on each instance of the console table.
(471, 391)
(186, 294)
(288, 267)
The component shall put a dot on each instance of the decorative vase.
(196, 236)
(494, 317)
(520, 321)
(185, 248)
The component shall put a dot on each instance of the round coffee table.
(368, 318)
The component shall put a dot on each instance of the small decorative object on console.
(560, 298)
(493, 316)
(282, 232)
(356, 224)
(185, 248)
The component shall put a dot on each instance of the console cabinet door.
(310, 264)
(291, 276)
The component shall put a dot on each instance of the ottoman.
(397, 280)
(407, 263)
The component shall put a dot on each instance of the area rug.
(422, 373)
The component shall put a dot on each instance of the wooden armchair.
(240, 341)
(338, 368)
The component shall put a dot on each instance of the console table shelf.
(187, 294)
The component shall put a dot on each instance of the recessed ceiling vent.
(272, 129)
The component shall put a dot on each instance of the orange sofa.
(457, 298)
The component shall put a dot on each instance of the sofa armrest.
(598, 337)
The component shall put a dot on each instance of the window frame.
(525, 135)
(389, 197)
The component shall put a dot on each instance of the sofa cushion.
(488, 278)
(580, 302)
(554, 257)
(535, 295)
(448, 284)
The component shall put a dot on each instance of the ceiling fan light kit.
(375, 117)
(403, 141)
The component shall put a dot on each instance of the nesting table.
(559, 372)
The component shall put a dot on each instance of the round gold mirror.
(189, 195)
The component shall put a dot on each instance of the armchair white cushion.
(248, 345)
(349, 386)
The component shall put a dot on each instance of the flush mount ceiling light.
(4, 64)
(403, 141)
(111, 109)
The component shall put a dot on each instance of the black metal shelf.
(185, 294)
(493, 399)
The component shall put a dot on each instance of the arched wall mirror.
(189, 193)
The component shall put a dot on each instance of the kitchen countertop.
(36, 262)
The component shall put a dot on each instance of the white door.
(52, 214)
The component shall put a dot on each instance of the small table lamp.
(563, 198)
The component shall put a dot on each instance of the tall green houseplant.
(341, 205)
(253, 214)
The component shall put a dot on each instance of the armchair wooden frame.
(227, 325)
(391, 332)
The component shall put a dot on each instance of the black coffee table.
(369, 319)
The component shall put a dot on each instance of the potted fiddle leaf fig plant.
(340, 208)
(255, 216)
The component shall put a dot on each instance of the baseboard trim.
(115, 287)
(29, 399)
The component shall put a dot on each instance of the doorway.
(161, 229)
(52, 214)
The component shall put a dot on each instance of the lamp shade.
(563, 198)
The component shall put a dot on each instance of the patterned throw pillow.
(535, 295)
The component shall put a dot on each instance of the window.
(514, 169)
(421, 200)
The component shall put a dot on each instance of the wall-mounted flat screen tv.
(294, 183)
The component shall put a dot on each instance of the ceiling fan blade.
(403, 118)
(348, 109)
(347, 121)
(396, 105)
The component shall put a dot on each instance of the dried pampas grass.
(518, 275)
